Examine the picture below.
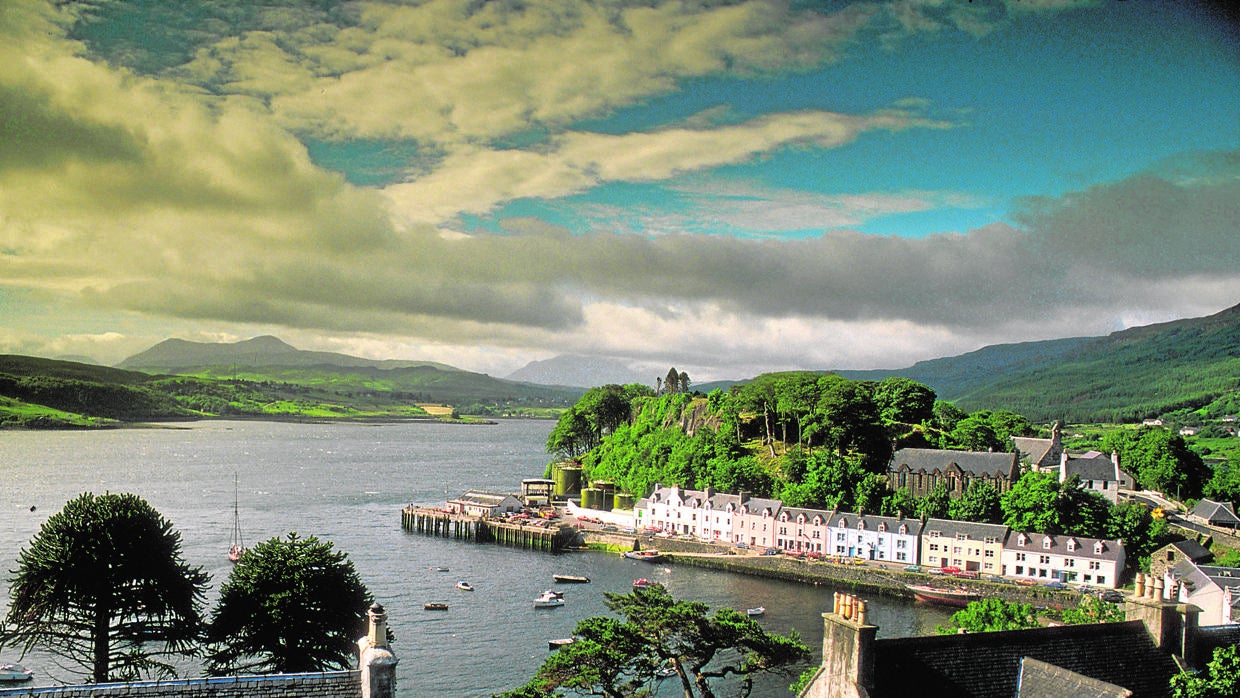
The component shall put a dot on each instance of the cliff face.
(695, 416)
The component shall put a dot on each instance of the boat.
(755, 611)
(570, 579)
(439, 569)
(236, 546)
(435, 606)
(945, 597)
(644, 583)
(464, 586)
(549, 600)
(559, 643)
(644, 555)
(14, 673)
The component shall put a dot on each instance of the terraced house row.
(992, 549)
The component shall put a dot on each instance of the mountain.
(1122, 377)
(579, 371)
(181, 356)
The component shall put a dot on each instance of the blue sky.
(725, 187)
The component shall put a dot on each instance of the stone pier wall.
(332, 684)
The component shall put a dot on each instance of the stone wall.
(332, 684)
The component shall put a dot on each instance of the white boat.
(549, 599)
(464, 586)
(644, 583)
(237, 546)
(14, 673)
(644, 555)
(570, 579)
(755, 611)
(439, 569)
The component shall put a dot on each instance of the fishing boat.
(644, 555)
(439, 569)
(644, 583)
(14, 673)
(570, 579)
(755, 611)
(945, 597)
(237, 545)
(549, 599)
(435, 606)
(559, 643)
(464, 586)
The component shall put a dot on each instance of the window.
(1071, 544)
(1020, 557)
(956, 550)
(934, 547)
(1044, 559)
(901, 557)
(901, 544)
(1098, 548)
(1102, 579)
(1022, 539)
(1069, 562)
(1046, 543)
(903, 530)
(841, 535)
(990, 553)
(1095, 565)
(860, 525)
(1020, 569)
(882, 526)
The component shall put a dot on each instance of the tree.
(672, 383)
(851, 422)
(289, 605)
(1092, 609)
(904, 400)
(978, 503)
(1221, 678)
(990, 615)
(1162, 461)
(103, 584)
(1039, 503)
(657, 630)
(1224, 484)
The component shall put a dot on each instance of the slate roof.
(1039, 452)
(947, 528)
(1222, 576)
(1192, 550)
(1090, 466)
(1041, 680)
(986, 665)
(483, 498)
(1112, 550)
(871, 522)
(1215, 512)
(975, 463)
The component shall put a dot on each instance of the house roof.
(489, 499)
(1090, 466)
(871, 522)
(1213, 512)
(1222, 576)
(982, 665)
(947, 528)
(1111, 550)
(976, 463)
(1038, 679)
(1191, 549)
(1039, 452)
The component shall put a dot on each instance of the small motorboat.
(570, 579)
(464, 586)
(553, 645)
(14, 673)
(958, 598)
(439, 569)
(755, 611)
(435, 606)
(549, 599)
(644, 583)
(644, 555)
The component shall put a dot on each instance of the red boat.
(945, 597)
(644, 583)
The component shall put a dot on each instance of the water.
(346, 483)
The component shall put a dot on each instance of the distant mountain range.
(1122, 377)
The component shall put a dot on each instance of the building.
(1096, 472)
(1214, 514)
(704, 514)
(971, 547)
(921, 469)
(1039, 454)
(1069, 559)
(1215, 590)
(1136, 657)
(484, 504)
(754, 522)
(874, 537)
(1167, 556)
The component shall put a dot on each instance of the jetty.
(531, 534)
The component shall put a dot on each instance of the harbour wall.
(331, 684)
(538, 535)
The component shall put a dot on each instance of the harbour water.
(346, 483)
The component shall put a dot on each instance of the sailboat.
(237, 547)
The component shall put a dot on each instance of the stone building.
(920, 469)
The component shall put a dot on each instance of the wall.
(333, 684)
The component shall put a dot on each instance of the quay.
(535, 534)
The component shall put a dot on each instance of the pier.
(535, 535)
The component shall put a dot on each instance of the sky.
(724, 187)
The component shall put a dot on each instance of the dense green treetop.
(991, 615)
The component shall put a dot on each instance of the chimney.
(375, 659)
(847, 652)
(1171, 626)
(742, 495)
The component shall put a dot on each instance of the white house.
(703, 514)
(478, 503)
(1215, 590)
(874, 537)
(1096, 472)
(1073, 559)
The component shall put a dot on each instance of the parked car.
(913, 568)
(1111, 596)
(1055, 584)
(772, 551)
(965, 574)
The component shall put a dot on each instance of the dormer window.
(903, 530)
(843, 523)
(1022, 539)
(1046, 543)
(1071, 545)
(882, 526)
(1098, 548)
(860, 525)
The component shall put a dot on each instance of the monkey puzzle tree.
(289, 605)
(103, 585)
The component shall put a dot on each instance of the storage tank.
(623, 501)
(567, 479)
(591, 498)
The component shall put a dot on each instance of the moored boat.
(946, 597)
(14, 673)
(755, 611)
(464, 586)
(644, 555)
(549, 599)
(570, 579)
(435, 606)
(236, 547)
(559, 643)
(644, 583)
